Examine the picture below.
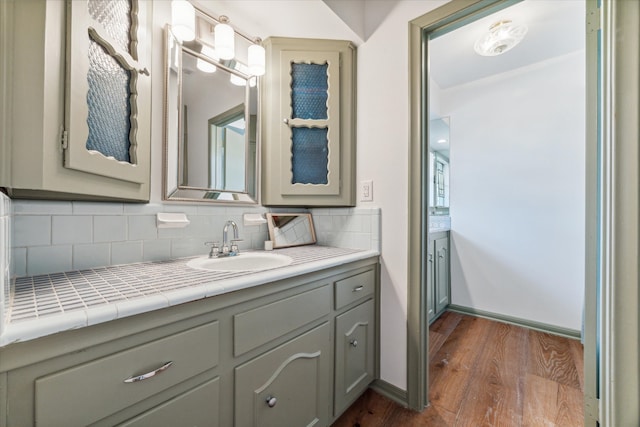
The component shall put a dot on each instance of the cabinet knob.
(271, 401)
(285, 121)
(354, 343)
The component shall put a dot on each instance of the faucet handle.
(215, 248)
(234, 245)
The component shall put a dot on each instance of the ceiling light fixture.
(502, 37)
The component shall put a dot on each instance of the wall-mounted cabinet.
(78, 107)
(308, 126)
(438, 283)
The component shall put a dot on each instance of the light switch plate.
(366, 191)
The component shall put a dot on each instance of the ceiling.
(555, 28)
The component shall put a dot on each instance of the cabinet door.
(308, 136)
(108, 90)
(442, 273)
(198, 407)
(287, 386)
(431, 283)
(355, 353)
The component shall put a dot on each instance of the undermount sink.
(244, 261)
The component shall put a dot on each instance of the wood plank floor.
(486, 373)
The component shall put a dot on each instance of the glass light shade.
(225, 41)
(256, 60)
(502, 37)
(183, 20)
(204, 66)
(238, 81)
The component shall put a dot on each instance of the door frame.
(611, 308)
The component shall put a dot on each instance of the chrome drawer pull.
(358, 288)
(271, 401)
(149, 374)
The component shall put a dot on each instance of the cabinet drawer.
(86, 393)
(353, 288)
(256, 327)
(198, 407)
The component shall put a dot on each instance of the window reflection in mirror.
(439, 140)
(211, 122)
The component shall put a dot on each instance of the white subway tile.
(71, 229)
(142, 227)
(181, 248)
(41, 207)
(97, 208)
(18, 262)
(111, 228)
(90, 256)
(156, 250)
(48, 259)
(126, 252)
(31, 230)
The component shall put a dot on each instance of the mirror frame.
(185, 193)
(272, 228)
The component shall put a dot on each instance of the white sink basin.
(245, 261)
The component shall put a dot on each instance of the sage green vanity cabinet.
(277, 354)
(308, 123)
(78, 111)
(438, 282)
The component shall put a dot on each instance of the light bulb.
(205, 66)
(256, 60)
(183, 17)
(224, 39)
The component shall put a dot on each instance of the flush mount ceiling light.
(502, 37)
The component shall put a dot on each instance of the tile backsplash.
(51, 237)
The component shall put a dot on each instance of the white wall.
(517, 192)
(383, 154)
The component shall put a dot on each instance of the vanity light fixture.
(183, 18)
(256, 56)
(204, 66)
(224, 38)
(502, 37)
(183, 26)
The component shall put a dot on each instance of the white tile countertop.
(50, 303)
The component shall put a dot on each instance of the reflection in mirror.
(211, 121)
(291, 229)
(439, 166)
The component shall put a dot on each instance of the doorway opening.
(517, 181)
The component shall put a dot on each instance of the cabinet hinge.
(64, 139)
(593, 20)
(592, 407)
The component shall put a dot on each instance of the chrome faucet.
(226, 250)
(233, 248)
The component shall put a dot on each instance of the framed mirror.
(439, 143)
(291, 229)
(211, 114)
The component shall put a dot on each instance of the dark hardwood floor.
(486, 373)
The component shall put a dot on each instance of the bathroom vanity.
(296, 349)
